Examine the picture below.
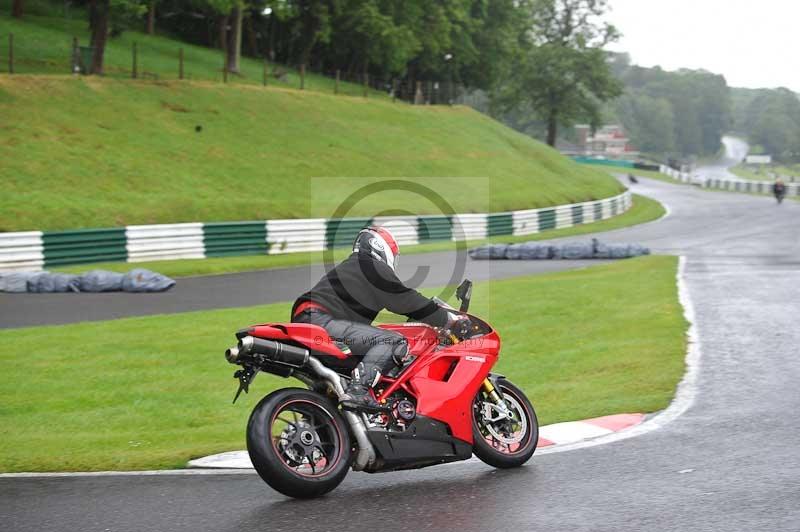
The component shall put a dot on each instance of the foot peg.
(357, 405)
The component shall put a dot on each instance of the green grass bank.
(91, 152)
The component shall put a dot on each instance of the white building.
(608, 141)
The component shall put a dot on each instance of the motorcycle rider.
(779, 189)
(347, 299)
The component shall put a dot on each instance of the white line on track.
(684, 398)
(667, 212)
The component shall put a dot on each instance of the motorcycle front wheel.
(298, 443)
(500, 441)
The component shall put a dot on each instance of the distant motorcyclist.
(779, 190)
(349, 297)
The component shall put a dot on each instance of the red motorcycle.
(442, 406)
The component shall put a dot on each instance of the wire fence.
(159, 59)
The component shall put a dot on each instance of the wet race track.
(729, 462)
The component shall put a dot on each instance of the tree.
(498, 29)
(100, 18)
(712, 100)
(99, 13)
(649, 121)
(469, 41)
(698, 101)
(17, 8)
(234, 43)
(228, 16)
(311, 24)
(772, 120)
(366, 33)
(564, 75)
(151, 17)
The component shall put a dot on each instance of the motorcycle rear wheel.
(504, 443)
(299, 443)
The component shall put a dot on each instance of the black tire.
(493, 454)
(274, 455)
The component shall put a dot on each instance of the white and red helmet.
(378, 242)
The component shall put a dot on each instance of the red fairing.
(313, 337)
(421, 338)
(445, 381)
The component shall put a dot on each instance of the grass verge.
(154, 392)
(139, 152)
(767, 173)
(652, 174)
(643, 210)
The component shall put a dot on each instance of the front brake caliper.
(498, 403)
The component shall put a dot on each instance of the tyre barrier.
(35, 250)
(136, 280)
(593, 249)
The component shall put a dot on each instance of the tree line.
(686, 112)
(472, 40)
(541, 59)
(770, 119)
(682, 113)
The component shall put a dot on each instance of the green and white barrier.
(677, 175)
(729, 183)
(165, 241)
(35, 250)
(21, 251)
(749, 186)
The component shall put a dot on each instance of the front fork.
(499, 403)
(491, 391)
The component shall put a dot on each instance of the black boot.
(357, 396)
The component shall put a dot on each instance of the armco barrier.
(677, 175)
(732, 184)
(288, 236)
(729, 183)
(625, 163)
(749, 186)
(235, 238)
(34, 250)
(666, 170)
(21, 251)
(164, 241)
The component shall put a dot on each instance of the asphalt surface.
(245, 289)
(729, 463)
(735, 151)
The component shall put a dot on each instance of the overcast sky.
(752, 43)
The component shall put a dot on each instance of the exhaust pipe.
(299, 357)
(366, 452)
(274, 351)
(232, 355)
